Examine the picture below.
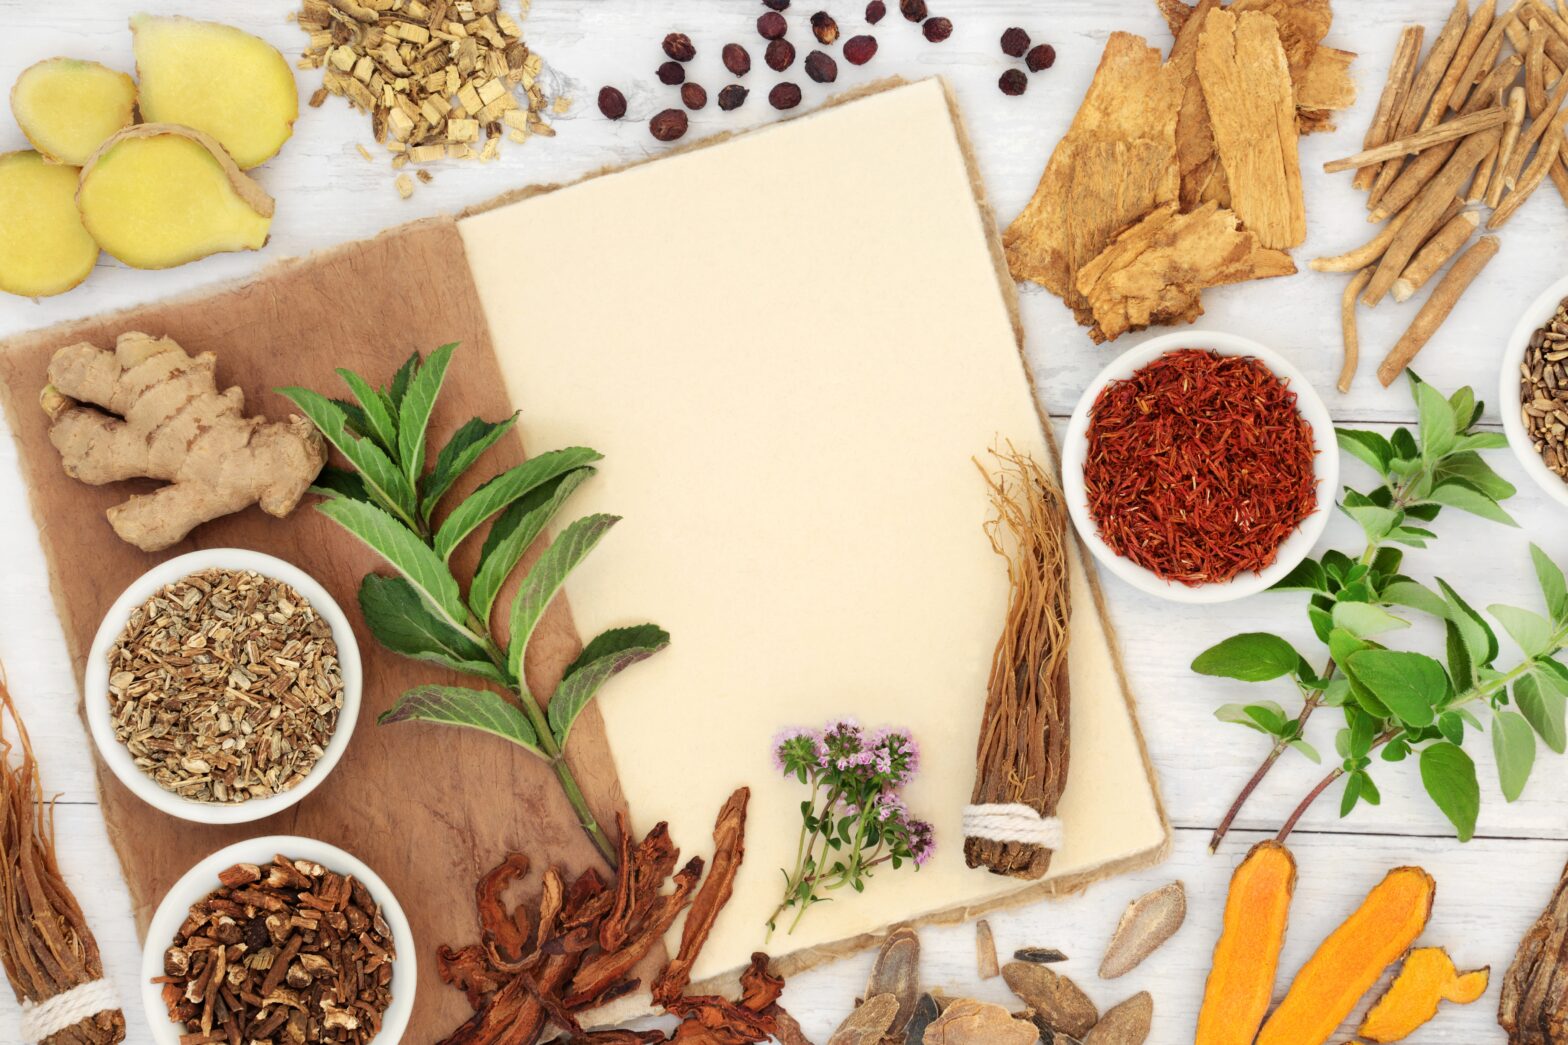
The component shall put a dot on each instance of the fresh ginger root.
(68, 107)
(44, 249)
(157, 195)
(1427, 978)
(218, 79)
(177, 427)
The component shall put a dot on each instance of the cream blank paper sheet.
(789, 347)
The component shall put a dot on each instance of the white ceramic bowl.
(96, 684)
(201, 880)
(1537, 315)
(1075, 451)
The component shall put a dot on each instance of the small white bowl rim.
(95, 684)
(1535, 316)
(1297, 546)
(202, 879)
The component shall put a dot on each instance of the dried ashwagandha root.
(1241, 979)
(1427, 978)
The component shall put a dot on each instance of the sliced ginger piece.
(234, 86)
(1347, 964)
(1241, 981)
(68, 107)
(157, 195)
(1427, 978)
(44, 250)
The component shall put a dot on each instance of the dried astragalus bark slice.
(1246, 82)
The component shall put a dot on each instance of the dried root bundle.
(1023, 749)
(45, 943)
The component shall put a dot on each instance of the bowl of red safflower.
(1200, 467)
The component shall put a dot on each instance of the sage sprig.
(392, 502)
(1398, 704)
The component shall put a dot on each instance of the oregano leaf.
(1513, 746)
(1553, 585)
(1417, 596)
(1448, 774)
(1410, 685)
(1368, 447)
(1531, 631)
(1456, 493)
(1438, 426)
(1251, 657)
(1364, 620)
(1308, 575)
(1543, 703)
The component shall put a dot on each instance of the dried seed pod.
(868, 1024)
(821, 67)
(1144, 927)
(876, 10)
(968, 1022)
(780, 55)
(1126, 1024)
(896, 973)
(612, 103)
(937, 29)
(824, 28)
(784, 96)
(668, 125)
(772, 25)
(1039, 955)
(858, 50)
(1015, 42)
(672, 73)
(736, 59)
(679, 47)
(985, 951)
(1040, 58)
(1054, 998)
(694, 96)
(732, 97)
(1013, 83)
(914, 10)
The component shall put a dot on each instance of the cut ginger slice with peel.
(218, 79)
(1427, 978)
(44, 250)
(67, 107)
(157, 195)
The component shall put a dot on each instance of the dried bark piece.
(970, 1022)
(1246, 83)
(1534, 1005)
(1347, 964)
(1326, 82)
(1391, 103)
(1126, 1024)
(896, 972)
(1039, 955)
(1437, 251)
(1116, 162)
(1202, 177)
(869, 1023)
(1153, 272)
(926, 1012)
(1427, 978)
(729, 849)
(1054, 998)
(1241, 979)
(985, 951)
(1144, 927)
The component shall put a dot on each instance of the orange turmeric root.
(1348, 963)
(1427, 978)
(1241, 982)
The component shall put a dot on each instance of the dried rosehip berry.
(694, 96)
(784, 96)
(823, 26)
(1042, 57)
(668, 125)
(777, 5)
(732, 97)
(672, 73)
(772, 26)
(679, 47)
(876, 10)
(914, 10)
(937, 29)
(737, 59)
(780, 55)
(1015, 42)
(858, 50)
(1013, 82)
(821, 67)
(612, 103)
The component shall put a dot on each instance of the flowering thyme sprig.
(855, 819)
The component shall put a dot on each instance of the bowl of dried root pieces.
(1533, 394)
(279, 938)
(223, 686)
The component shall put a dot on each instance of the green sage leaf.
(1531, 631)
(1544, 705)
(1448, 774)
(459, 454)
(1251, 657)
(1410, 685)
(1364, 620)
(602, 659)
(479, 709)
(406, 552)
(1553, 586)
(1456, 493)
(403, 623)
(568, 549)
(503, 490)
(511, 535)
(413, 415)
(1513, 746)
(377, 410)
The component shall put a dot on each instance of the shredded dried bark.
(45, 943)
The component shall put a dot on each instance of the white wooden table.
(1489, 890)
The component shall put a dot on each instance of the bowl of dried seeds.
(238, 949)
(223, 686)
(1533, 394)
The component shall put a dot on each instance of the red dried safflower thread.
(1199, 466)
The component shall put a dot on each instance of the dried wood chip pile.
(1181, 172)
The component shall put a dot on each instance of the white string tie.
(1012, 822)
(49, 1017)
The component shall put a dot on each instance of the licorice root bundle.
(45, 943)
(1022, 757)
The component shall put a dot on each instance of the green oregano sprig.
(1397, 703)
(390, 500)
